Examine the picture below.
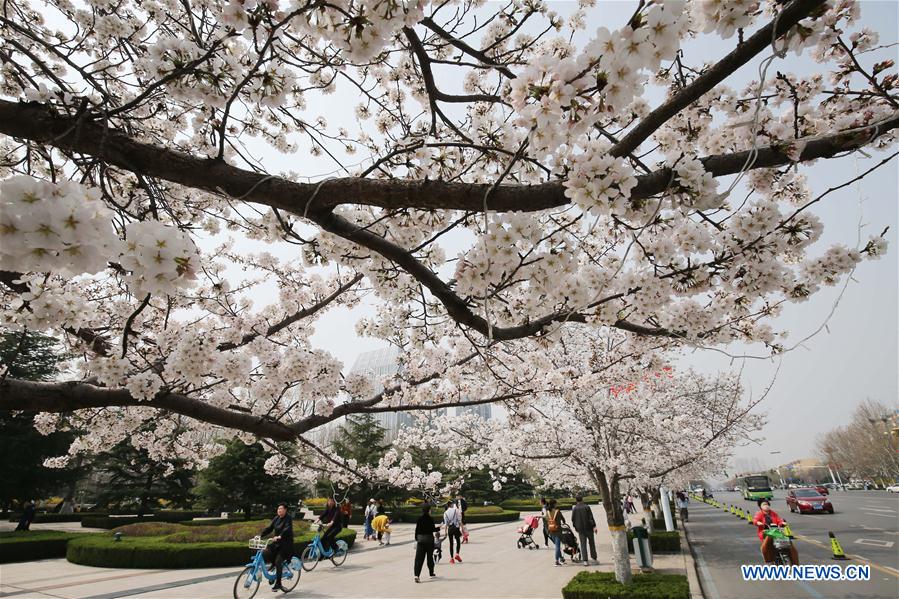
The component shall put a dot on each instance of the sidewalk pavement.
(492, 567)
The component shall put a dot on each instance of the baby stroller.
(569, 544)
(530, 525)
(438, 547)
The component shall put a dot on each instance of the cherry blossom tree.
(603, 414)
(518, 179)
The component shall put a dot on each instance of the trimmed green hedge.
(533, 505)
(503, 516)
(602, 585)
(109, 522)
(659, 542)
(102, 550)
(45, 518)
(659, 523)
(30, 545)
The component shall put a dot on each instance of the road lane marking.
(874, 543)
(857, 558)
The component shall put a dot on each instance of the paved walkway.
(493, 567)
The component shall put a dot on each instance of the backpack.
(553, 524)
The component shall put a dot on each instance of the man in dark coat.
(585, 525)
(281, 547)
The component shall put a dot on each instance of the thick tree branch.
(38, 123)
(75, 395)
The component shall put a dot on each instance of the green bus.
(755, 487)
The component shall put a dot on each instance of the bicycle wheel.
(309, 557)
(291, 583)
(247, 584)
(340, 555)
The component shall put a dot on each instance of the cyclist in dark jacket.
(332, 519)
(281, 547)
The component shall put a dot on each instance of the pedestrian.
(27, 516)
(585, 525)
(452, 520)
(332, 520)
(424, 541)
(543, 518)
(381, 524)
(281, 547)
(346, 510)
(632, 509)
(683, 503)
(370, 511)
(463, 507)
(554, 522)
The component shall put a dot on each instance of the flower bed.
(602, 585)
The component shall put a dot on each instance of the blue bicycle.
(247, 582)
(315, 551)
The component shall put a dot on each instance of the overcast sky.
(820, 382)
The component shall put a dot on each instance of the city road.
(866, 524)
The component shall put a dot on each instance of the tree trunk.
(646, 501)
(246, 512)
(656, 503)
(145, 496)
(611, 501)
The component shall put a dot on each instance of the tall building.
(379, 365)
(484, 410)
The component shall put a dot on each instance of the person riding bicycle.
(332, 520)
(281, 547)
(764, 518)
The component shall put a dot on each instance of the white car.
(893, 488)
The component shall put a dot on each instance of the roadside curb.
(690, 565)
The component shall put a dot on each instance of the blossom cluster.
(61, 227)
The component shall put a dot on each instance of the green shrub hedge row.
(30, 545)
(531, 505)
(44, 518)
(659, 542)
(102, 550)
(109, 522)
(164, 515)
(659, 523)
(602, 585)
(410, 514)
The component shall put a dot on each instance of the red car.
(822, 489)
(807, 501)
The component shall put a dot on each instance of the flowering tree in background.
(519, 179)
(603, 416)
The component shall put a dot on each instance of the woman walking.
(554, 521)
(424, 542)
(371, 511)
(543, 518)
(452, 519)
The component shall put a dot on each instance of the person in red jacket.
(767, 517)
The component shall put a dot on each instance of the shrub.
(149, 529)
(108, 522)
(659, 523)
(659, 542)
(483, 509)
(501, 516)
(102, 550)
(30, 545)
(602, 585)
